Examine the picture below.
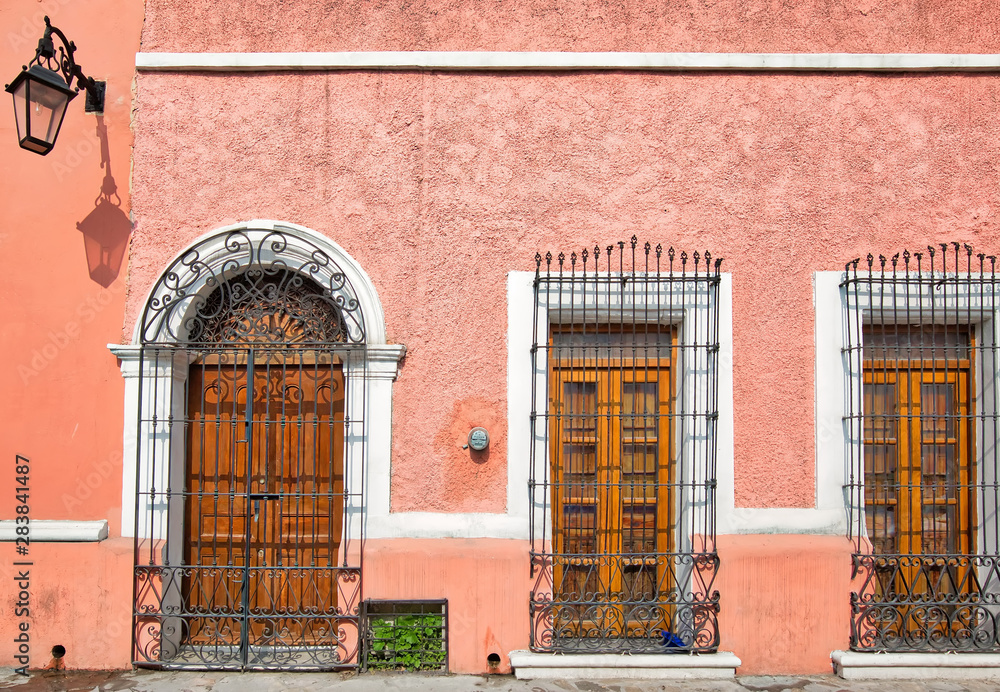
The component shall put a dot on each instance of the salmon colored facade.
(64, 397)
(439, 186)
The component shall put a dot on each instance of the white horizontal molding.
(560, 61)
(827, 522)
(57, 530)
(441, 525)
(531, 666)
(853, 665)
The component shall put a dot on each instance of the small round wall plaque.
(479, 439)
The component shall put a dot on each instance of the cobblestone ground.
(159, 681)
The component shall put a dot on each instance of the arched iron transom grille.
(276, 306)
(624, 420)
(249, 459)
(921, 361)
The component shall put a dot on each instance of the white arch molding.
(378, 371)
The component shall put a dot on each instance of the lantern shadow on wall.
(107, 228)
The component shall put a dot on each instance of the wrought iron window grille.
(922, 426)
(250, 452)
(624, 413)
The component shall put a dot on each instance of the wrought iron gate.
(249, 461)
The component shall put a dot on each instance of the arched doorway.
(250, 452)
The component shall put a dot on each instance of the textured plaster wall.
(438, 184)
(850, 26)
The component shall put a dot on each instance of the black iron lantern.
(43, 89)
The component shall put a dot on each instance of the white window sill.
(853, 665)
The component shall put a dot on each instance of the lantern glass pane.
(20, 111)
(46, 110)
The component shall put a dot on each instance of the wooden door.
(265, 498)
(613, 508)
(919, 477)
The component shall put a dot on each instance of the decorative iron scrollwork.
(273, 306)
(261, 288)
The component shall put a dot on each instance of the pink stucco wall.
(439, 184)
(851, 26)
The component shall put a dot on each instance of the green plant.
(410, 642)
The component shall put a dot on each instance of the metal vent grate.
(406, 635)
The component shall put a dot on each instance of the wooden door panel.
(612, 504)
(918, 451)
(277, 492)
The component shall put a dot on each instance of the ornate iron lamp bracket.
(62, 61)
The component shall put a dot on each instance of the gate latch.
(257, 497)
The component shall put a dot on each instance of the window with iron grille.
(622, 483)
(922, 424)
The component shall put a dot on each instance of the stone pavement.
(172, 681)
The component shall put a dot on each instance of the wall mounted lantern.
(43, 89)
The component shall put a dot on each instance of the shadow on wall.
(107, 228)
